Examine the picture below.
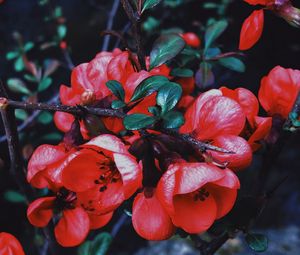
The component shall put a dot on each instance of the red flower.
(150, 220)
(258, 127)
(278, 91)
(75, 221)
(191, 39)
(196, 194)
(103, 174)
(9, 245)
(251, 30)
(219, 119)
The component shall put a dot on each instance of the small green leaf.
(233, 63)
(45, 118)
(12, 54)
(212, 52)
(100, 244)
(148, 86)
(154, 110)
(19, 64)
(21, 114)
(61, 31)
(148, 4)
(30, 78)
(85, 248)
(116, 88)
(28, 46)
(214, 31)
(117, 104)
(44, 84)
(182, 72)
(257, 242)
(173, 120)
(14, 197)
(168, 96)
(18, 86)
(58, 12)
(138, 121)
(52, 137)
(150, 24)
(165, 48)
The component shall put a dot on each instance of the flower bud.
(88, 97)
(3, 103)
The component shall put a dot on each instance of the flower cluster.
(174, 185)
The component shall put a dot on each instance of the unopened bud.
(3, 103)
(88, 97)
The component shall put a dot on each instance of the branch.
(110, 23)
(194, 142)
(135, 19)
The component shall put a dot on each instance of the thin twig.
(135, 19)
(110, 22)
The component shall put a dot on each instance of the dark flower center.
(201, 194)
(65, 199)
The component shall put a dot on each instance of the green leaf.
(19, 64)
(257, 242)
(85, 248)
(100, 244)
(138, 121)
(45, 118)
(21, 114)
(58, 12)
(154, 110)
(12, 54)
(30, 78)
(28, 46)
(165, 48)
(117, 104)
(233, 63)
(18, 86)
(61, 31)
(116, 88)
(148, 86)
(14, 197)
(44, 84)
(168, 96)
(148, 4)
(212, 52)
(151, 24)
(173, 120)
(182, 72)
(214, 31)
(52, 137)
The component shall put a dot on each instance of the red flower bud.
(191, 39)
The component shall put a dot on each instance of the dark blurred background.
(85, 19)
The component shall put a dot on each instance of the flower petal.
(220, 116)
(72, 228)
(9, 245)
(40, 211)
(99, 221)
(150, 220)
(251, 30)
(194, 216)
(242, 156)
(263, 127)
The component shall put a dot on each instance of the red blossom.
(103, 174)
(278, 91)
(9, 245)
(196, 194)
(251, 30)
